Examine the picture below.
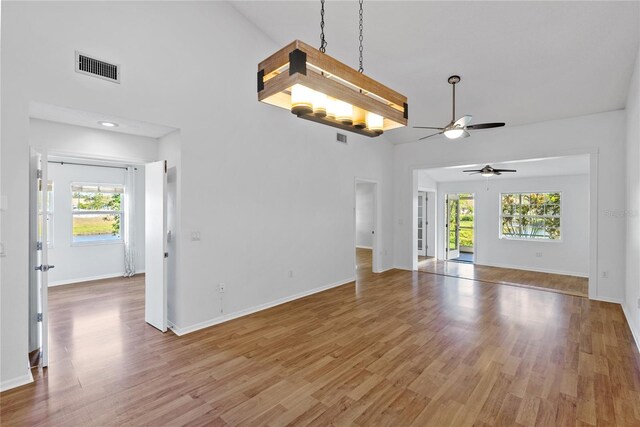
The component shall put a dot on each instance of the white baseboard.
(17, 382)
(632, 326)
(385, 269)
(88, 279)
(536, 269)
(364, 247)
(216, 321)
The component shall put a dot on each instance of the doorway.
(77, 226)
(459, 227)
(365, 226)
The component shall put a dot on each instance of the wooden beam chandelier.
(314, 86)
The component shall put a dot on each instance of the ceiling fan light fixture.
(488, 173)
(454, 133)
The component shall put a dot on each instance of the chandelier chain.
(323, 42)
(361, 69)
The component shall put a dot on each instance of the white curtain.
(129, 222)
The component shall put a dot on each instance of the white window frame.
(119, 241)
(530, 239)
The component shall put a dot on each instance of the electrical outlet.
(290, 274)
(222, 288)
(605, 274)
(195, 236)
(538, 254)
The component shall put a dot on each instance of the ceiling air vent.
(97, 68)
(340, 137)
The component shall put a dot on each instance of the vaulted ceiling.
(520, 62)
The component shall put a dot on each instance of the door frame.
(375, 259)
(446, 231)
(475, 240)
(445, 235)
(425, 241)
(38, 282)
(46, 155)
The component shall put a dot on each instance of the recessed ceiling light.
(108, 124)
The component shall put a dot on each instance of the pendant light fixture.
(317, 87)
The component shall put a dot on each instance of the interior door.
(422, 229)
(156, 252)
(453, 226)
(39, 208)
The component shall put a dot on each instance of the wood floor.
(398, 348)
(570, 285)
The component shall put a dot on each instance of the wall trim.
(17, 382)
(89, 279)
(536, 269)
(245, 312)
(634, 332)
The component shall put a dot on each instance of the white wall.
(77, 141)
(602, 133)
(568, 256)
(77, 263)
(632, 214)
(257, 183)
(364, 215)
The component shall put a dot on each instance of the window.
(97, 213)
(533, 216)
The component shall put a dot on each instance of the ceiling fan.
(457, 128)
(489, 171)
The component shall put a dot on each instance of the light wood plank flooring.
(398, 348)
(570, 285)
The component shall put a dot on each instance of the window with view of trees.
(97, 213)
(534, 216)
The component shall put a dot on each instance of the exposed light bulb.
(487, 174)
(375, 122)
(454, 133)
(301, 100)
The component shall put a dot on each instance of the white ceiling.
(520, 62)
(551, 166)
(55, 113)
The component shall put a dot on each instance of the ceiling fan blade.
(473, 170)
(496, 172)
(475, 173)
(485, 125)
(463, 121)
(427, 127)
(429, 136)
(505, 170)
(465, 134)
